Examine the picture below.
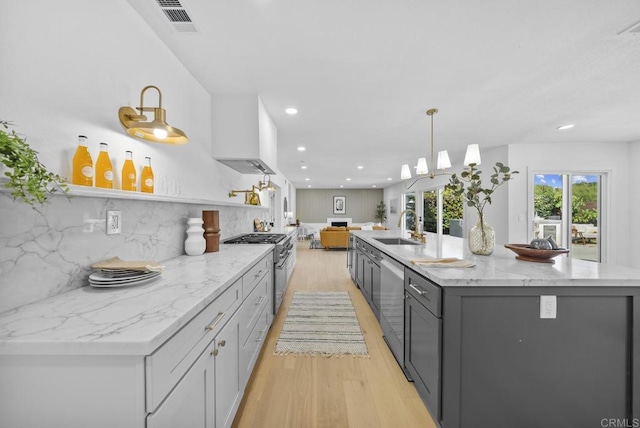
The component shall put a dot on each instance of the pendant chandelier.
(422, 169)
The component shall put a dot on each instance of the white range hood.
(243, 135)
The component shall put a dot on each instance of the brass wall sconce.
(266, 183)
(251, 197)
(156, 130)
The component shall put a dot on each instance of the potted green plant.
(381, 212)
(469, 186)
(28, 179)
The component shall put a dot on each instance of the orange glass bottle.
(104, 170)
(129, 173)
(146, 178)
(82, 164)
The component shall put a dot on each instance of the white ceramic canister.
(195, 243)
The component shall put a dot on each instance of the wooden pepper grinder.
(211, 219)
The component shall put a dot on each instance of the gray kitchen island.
(506, 342)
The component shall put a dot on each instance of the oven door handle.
(283, 261)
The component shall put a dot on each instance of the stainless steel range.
(281, 254)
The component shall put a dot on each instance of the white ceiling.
(362, 73)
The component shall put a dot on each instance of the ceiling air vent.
(177, 15)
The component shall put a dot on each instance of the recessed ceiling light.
(563, 127)
(309, 185)
(360, 167)
(390, 179)
(374, 186)
(348, 179)
(291, 110)
(303, 167)
(302, 149)
(307, 179)
(342, 185)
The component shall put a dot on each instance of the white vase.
(195, 243)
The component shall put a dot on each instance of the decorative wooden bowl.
(526, 253)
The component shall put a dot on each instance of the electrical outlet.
(548, 307)
(114, 222)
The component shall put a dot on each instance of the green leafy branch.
(29, 180)
(469, 185)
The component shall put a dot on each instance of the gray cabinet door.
(423, 332)
(227, 372)
(187, 404)
(360, 266)
(375, 288)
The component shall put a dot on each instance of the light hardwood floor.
(299, 391)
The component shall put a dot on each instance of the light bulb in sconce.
(160, 133)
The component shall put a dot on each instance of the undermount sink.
(396, 241)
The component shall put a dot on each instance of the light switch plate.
(548, 307)
(114, 222)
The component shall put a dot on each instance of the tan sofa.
(338, 237)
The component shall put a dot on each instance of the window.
(409, 217)
(568, 207)
(442, 212)
(430, 211)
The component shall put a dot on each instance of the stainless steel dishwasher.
(392, 306)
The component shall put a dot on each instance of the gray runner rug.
(321, 323)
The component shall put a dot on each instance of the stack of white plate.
(121, 277)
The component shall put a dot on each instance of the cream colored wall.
(316, 205)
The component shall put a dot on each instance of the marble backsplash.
(48, 252)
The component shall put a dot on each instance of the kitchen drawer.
(252, 306)
(251, 349)
(425, 291)
(252, 278)
(170, 362)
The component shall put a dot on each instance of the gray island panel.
(502, 365)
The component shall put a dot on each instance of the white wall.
(634, 206)
(510, 202)
(495, 214)
(67, 69)
(575, 157)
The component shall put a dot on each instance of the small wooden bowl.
(526, 253)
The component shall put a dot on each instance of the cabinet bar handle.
(215, 321)
(214, 352)
(222, 343)
(259, 302)
(417, 290)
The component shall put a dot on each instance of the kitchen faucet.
(415, 234)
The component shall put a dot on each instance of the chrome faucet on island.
(415, 235)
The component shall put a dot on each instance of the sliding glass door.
(409, 203)
(568, 207)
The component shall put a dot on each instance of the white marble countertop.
(128, 320)
(501, 268)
